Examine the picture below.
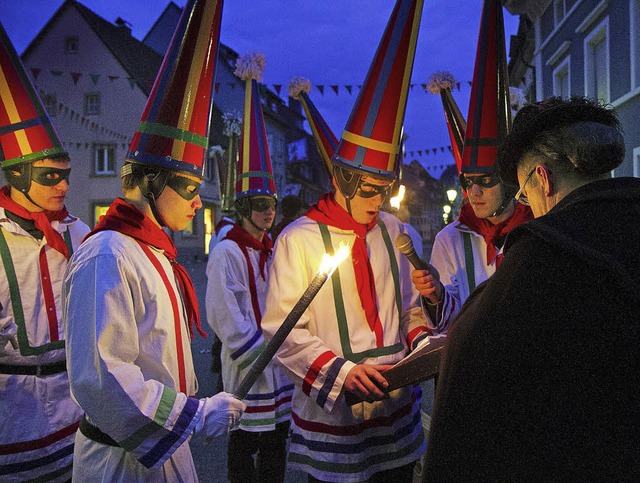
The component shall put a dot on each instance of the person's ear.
(544, 175)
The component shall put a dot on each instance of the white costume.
(230, 314)
(449, 255)
(38, 418)
(331, 440)
(131, 368)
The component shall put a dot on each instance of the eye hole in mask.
(185, 187)
(484, 181)
(366, 190)
(47, 176)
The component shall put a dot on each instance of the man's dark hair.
(576, 135)
(291, 206)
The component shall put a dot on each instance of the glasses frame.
(518, 196)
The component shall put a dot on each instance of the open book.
(420, 364)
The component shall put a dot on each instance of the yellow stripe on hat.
(370, 143)
(197, 64)
(397, 131)
(246, 134)
(14, 117)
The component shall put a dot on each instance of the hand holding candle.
(327, 267)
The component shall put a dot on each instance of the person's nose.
(475, 189)
(196, 203)
(63, 185)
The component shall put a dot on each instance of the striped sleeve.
(325, 378)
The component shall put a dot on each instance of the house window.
(561, 80)
(71, 45)
(104, 159)
(91, 104)
(50, 104)
(209, 216)
(99, 209)
(189, 230)
(636, 162)
(635, 43)
(596, 53)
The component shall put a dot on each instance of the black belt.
(95, 434)
(41, 370)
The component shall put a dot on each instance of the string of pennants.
(278, 88)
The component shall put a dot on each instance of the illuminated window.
(98, 211)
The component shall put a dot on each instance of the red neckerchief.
(244, 239)
(128, 220)
(491, 232)
(329, 212)
(42, 220)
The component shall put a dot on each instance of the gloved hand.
(220, 413)
(8, 333)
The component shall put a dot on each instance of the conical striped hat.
(443, 83)
(255, 175)
(174, 129)
(489, 115)
(326, 141)
(26, 132)
(370, 142)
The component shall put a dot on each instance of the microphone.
(405, 245)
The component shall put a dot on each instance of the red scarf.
(492, 232)
(42, 220)
(329, 212)
(128, 220)
(244, 240)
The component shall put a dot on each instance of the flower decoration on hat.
(255, 175)
(326, 141)
(26, 131)
(174, 129)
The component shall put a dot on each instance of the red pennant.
(75, 76)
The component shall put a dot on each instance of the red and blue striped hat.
(489, 117)
(326, 141)
(255, 175)
(174, 129)
(370, 142)
(26, 132)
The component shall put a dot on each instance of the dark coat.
(540, 377)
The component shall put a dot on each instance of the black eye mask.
(263, 204)
(47, 176)
(181, 185)
(483, 180)
(373, 190)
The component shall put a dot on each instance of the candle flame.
(395, 201)
(330, 263)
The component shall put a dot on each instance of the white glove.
(8, 333)
(220, 413)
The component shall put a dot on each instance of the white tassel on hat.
(441, 80)
(517, 99)
(232, 123)
(299, 85)
(250, 66)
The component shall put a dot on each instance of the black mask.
(48, 176)
(185, 187)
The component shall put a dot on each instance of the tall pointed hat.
(443, 83)
(174, 129)
(255, 175)
(26, 132)
(489, 117)
(370, 142)
(326, 141)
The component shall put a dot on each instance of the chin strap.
(152, 204)
(503, 206)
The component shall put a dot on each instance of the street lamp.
(445, 215)
(451, 195)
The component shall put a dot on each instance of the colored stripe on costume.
(314, 370)
(246, 346)
(37, 463)
(178, 433)
(332, 375)
(39, 443)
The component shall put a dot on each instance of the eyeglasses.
(518, 196)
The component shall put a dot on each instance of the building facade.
(584, 48)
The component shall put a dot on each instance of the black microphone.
(405, 245)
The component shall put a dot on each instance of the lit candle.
(327, 267)
(395, 201)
